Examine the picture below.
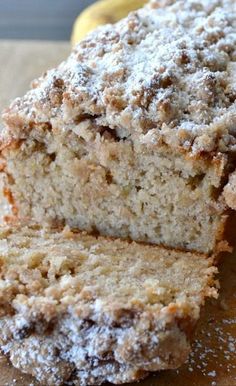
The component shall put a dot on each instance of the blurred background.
(39, 19)
(34, 36)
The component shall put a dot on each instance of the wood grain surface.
(213, 361)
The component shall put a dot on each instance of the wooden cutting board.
(213, 360)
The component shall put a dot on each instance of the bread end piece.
(89, 310)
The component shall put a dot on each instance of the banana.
(102, 12)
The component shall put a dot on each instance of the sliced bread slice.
(87, 309)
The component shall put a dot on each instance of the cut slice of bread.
(86, 309)
(134, 134)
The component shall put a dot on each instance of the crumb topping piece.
(167, 72)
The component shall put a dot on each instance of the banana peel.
(102, 12)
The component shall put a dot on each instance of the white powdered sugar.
(166, 67)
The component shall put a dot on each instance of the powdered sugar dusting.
(167, 67)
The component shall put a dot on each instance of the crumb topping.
(164, 74)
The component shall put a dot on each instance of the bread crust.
(230, 191)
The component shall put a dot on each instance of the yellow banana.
(102, 12)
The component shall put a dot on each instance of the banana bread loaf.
(134, 134)
(88, 309)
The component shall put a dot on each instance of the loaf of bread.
(88, 309)
(134, 134)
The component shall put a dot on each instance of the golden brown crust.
(8, 195)
(230, 191)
